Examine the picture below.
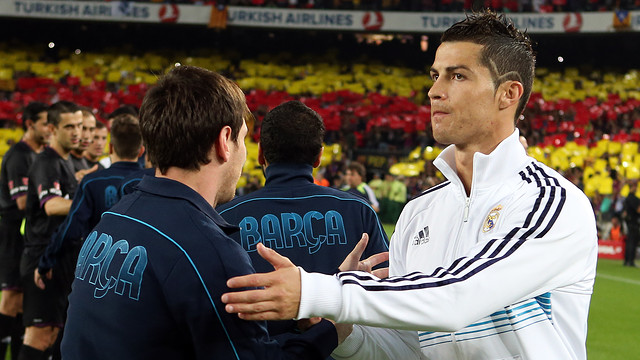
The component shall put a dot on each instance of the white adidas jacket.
(506, 273)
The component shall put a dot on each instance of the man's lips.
(438, 114)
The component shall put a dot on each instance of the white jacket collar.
(496, 169)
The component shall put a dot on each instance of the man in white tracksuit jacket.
(498, 262)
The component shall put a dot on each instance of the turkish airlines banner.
(121, 11)
(313, 19)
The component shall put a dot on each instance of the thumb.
(278, 261)
(93, 168)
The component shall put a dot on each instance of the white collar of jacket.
(499, 168)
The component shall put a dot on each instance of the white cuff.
(320, 295)
(350, 345)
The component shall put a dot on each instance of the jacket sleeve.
(370, 343)
(549, 242)
(74, 227)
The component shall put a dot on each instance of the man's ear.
(223, 144)
(510, 94)
(29, 123)
(52, 129)
(319, 158)
(261, 160)
(141, 151)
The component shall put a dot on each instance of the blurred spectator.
(632, 218)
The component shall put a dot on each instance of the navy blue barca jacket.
(148, 284)
(314, 226)
(96, 193)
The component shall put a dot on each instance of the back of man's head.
(61, 107)
(507, 52)
(291, 133)
(126, 137)
(31, 112)
(124, 109)
(182, 116)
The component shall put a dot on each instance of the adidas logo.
(422, 237)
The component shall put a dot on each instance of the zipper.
(465, 217)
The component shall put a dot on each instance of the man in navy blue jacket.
(150, 275)
(314, 226)
(96, 193)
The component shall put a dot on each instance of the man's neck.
(90, 157)
(203, 181)
(464, 155)
(76, 154)
(60, 150)
(29, 140)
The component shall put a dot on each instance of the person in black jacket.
(314, 226)
(150, 275)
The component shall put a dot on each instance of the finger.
(50, 274)
(278, 261)
(360, 246)
(251, 308)
(93, 168)
(381, 273)
(378, 258)
(269, 315)
(252, 280)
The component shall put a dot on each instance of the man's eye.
(458, 76)
(434, 77)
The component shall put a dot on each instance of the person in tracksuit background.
(314, 226)
(96, 193)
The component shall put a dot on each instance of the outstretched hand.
(81, 173)
(278, 300)
(353, 263)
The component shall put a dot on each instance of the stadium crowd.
(369, 121)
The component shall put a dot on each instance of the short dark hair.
(124, 109)
(291, 133)
(87, 112)
(126, 136)
(61, 107)
(507, 52)
(182, 116)
(358, 168)
(31, 112)
(100, 125)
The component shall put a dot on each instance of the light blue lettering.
(271, 234)
(107, 282)
(292, 227)
(249, 233)
(335, 228)
(110, 196)
(99, 255)
(315, 242)
(82, 257)
(98, 252)
(131, 272)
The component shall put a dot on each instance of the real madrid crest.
(492, 219)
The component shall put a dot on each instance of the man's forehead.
(457, 54)
(75, 117)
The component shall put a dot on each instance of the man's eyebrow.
(451, 68)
